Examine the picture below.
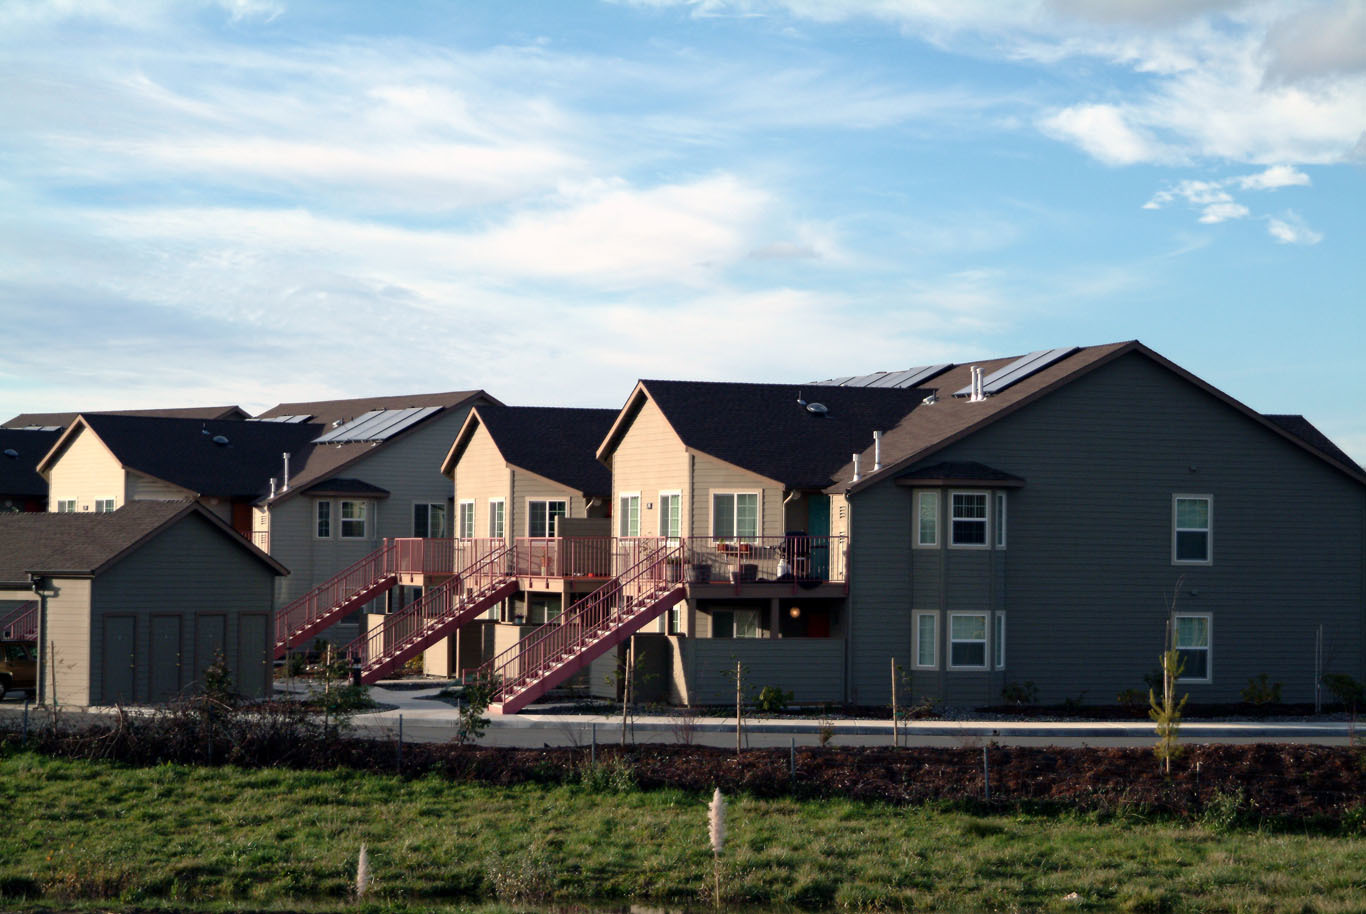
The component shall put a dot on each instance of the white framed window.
(66, 506)
(429, 520)
(1192, 529)
(676, 619)
(104, 505)
(354, 516)
(968, 519)
(735, 516)
(671, 515)
(967, 641)
(465, 519)
(322, 519)
(541, 514)
(1193, 638)
(998, 641)
(735, 623)
(628, 514)
(927, 519)
(926, 640)
(497, 518)
(1000, 520)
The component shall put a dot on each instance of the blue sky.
(256, 201)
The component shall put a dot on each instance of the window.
(968, 641)
(1192, 642)
(969, 521)
(353, 520)
(927, 519)
(628, 515)
(541, 516)
(323, 513)
(998, 642)
(1000, 520)
(66, 506)
(465, 519)
(104, 505)
(926, 640)
(671, 515)
(1191, 529)
(676, 619)
(497, 517)
(429, 520)
(735, 623)
(735, 516)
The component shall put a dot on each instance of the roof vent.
(220, 440)
(931, 399)
(11, 453)
(817, 409)
(204, 430)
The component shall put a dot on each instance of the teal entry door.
(818, 527)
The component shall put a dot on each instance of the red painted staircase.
(590, 627)
(21, 624)
(331, 600)
(483, 582)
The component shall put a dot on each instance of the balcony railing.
(760, 559)
(565, 557)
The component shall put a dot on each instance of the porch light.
(795, 612)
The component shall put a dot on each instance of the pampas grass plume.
(362, 872)
(716, 820)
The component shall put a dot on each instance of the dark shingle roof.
(183, 451)
(62, 420)
(340, 485)
(556, 443)
(1305, 430)
(327, 412)
(951, 471)
(87, 543)
(762, 427)
(19, 475)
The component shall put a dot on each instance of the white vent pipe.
(272, 487)
(877, 451)
(856, 477)
(285, 487)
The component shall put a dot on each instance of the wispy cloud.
(1290, 228)
(1216, 203)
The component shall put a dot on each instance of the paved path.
(429, 720)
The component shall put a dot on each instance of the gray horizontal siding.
(811, 668)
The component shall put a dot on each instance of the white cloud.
(1274, 177)
(1322, 40)
(1215, 202)
(1291, 229)
(1222, 212)
(1104, 133)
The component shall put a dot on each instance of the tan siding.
(527, 486)
(650, 459)
(68, 627)
(146, 488)
(481, 474)
(714, 476)
(85, 471)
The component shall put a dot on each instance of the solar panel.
(1018, 370)
(377, 425)
(292, 420)
(911, 377)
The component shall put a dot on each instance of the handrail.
(21, 624)
(564, 556)
(644, 561)
(486, 569)
(336, 590)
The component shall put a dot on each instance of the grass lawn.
(222, 838)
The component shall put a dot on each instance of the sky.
(262, 201)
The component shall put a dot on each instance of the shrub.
(1261, 691)
(475, 700)
(1020, 693)
(773, 700)
(1345, 689)
(1131, 698)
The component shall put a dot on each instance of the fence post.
(593, 748)
(792, 759)
(986, 773)
(400, 744)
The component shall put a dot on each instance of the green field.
(100, 835)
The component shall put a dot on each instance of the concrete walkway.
(425, 719)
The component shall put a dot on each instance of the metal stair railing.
(646, 579)
(21, 624)
(402, 634)
(309, 613)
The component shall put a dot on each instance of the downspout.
(849, 597)
(41, 585)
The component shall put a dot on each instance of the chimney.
(877, 451)
(285, 485)
(856, 477)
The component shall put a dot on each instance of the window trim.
(501, 515)
(548, 502)
(429, 505)
(920, 497)
(1208, 529)
(364, 518)
(623, 518)
(985, 642)
(318, 505)
(460, 518)
(997, 644)
(985, 520)
(916, 616)
(735, 536)
(663, 515)
(1208, 648)
(998, 501)
(65, 506)
(111, 501)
